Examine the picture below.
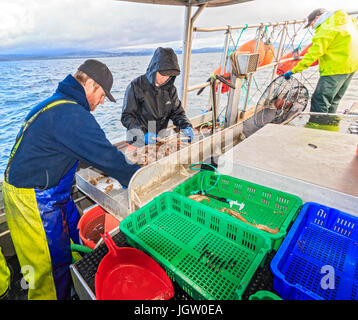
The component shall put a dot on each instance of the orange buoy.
(289, 65)
(227, 76)
(283, 67)
(269, 54)
(250, 46)
(266, 55)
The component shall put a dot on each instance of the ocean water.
(23, 84)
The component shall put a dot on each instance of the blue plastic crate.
(322, 242)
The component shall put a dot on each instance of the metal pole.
(198, 29)
(189, 22)
(185, 52)
(279, 55)
(233, 102)
(279, 51)
(223, 66)
(251, 75)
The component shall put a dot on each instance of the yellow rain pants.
(25, 223)
(4, 275)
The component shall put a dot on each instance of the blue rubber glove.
(189, 132)
(148, 138)
(288, 75)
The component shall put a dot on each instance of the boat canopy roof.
(209, 3)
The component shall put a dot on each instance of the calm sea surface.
(23, 84)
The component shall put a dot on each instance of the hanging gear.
(212, 81)
(281, 99)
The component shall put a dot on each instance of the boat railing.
(291, 35)
(287, 32)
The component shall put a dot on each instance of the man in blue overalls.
(56, 134)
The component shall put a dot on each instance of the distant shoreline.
(89, 54)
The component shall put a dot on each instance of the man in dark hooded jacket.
(151, 100)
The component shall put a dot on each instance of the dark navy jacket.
(60, 137)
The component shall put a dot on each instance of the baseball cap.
(100, 73)
(313, 15)
(171, 72)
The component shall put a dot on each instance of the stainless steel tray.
(157, 177)
(114, 201)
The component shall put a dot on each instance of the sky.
(30, 26)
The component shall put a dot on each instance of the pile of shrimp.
(152, 153)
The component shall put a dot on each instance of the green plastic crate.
(177, 232)
(262, 205)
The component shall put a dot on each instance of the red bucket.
(127, 273)
(93, 223)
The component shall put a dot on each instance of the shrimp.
(235, 214)
(95, 180)
(198, 197)
(108, 188)
(266, 228)
(256, 225)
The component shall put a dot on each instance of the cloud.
(106, 24)
(16, 23)
(84, 24)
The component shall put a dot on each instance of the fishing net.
(280, 101)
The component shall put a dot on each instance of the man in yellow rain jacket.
(335, 45)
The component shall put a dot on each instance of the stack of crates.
(209, 253)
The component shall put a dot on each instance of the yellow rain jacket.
(335, 45)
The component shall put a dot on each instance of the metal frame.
(186, 67)
(274, 64)
(210, 3)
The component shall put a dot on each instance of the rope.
(237, 42)
(299, 46)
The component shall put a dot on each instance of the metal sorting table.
(156, 177)
(316, 165)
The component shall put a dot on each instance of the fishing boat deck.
(274, 156)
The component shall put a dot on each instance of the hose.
(202, 179)
(80, 248)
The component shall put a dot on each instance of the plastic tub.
(319, 257)
(257, 204)
(206, 252)
(93, 223)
